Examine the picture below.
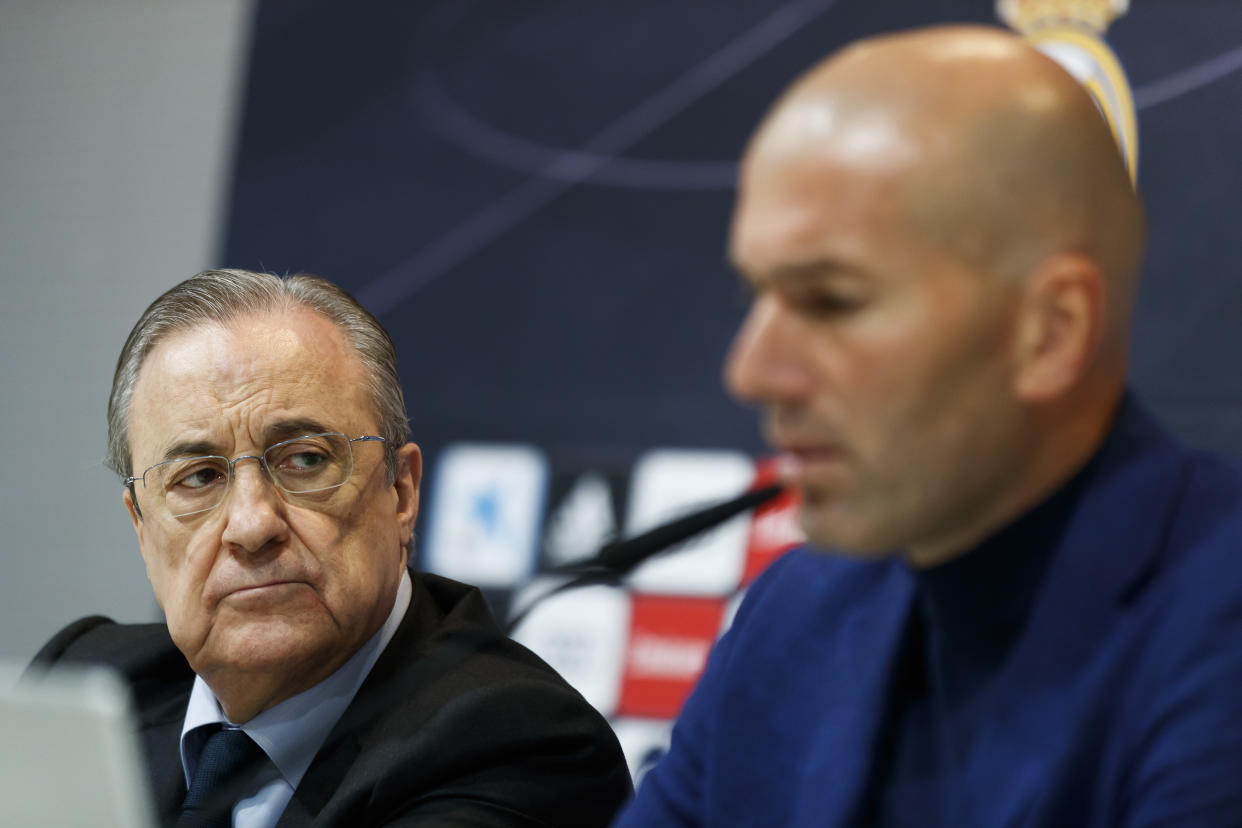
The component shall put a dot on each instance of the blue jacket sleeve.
(1187, 765)
(671, 795)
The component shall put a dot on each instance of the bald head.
(991, 148)
(943, 239)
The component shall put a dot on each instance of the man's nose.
(254, 509)
(767, 361)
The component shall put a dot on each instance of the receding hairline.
(163, 354)
(975, 127)
(223, 296)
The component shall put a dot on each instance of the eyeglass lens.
(306, 464)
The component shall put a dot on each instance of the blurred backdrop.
(117, 125)
(534, 199)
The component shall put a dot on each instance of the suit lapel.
(161, 740)
(326, 780)
(862, 694)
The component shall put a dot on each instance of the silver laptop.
(69, 755)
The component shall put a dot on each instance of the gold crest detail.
(1071, 32)
(1029, 16)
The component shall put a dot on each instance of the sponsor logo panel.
(774, 527)
(667, 483)
(486, 514)
(670, 639)
(582, 634)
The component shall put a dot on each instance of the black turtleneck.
(964, 620)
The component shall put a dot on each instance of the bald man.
(1032, 612)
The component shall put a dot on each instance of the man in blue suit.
(1033, 611)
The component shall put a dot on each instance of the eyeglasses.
(304, 465)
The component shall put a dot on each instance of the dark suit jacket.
(455, 725)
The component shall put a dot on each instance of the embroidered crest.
(1071, 32)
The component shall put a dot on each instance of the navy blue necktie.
(229, 759)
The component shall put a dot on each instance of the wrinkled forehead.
(259, 342)
(226, 381)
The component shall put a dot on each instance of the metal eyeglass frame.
(262, 458)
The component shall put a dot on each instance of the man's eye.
(199, 477)
(304, 456)
(820, 304)
(303, 461)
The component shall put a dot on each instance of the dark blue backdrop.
(534, 197)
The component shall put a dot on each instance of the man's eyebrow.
(288, 429)
(190, 448)
(818, 269)
(275, 433)
(823, 268)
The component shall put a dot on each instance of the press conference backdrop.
(534, 198)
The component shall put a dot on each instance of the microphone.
(621, 556)
(618, 558)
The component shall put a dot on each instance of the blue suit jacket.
(1112, 695)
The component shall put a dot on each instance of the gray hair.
(224, 295)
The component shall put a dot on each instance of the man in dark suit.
(305, 675)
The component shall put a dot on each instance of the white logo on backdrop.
(670, 482)
(583, 635)
(582, 523)
(486, 512)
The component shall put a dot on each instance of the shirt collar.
(291, 732)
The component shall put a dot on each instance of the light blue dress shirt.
(292, 732)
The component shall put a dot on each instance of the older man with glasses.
(306, 675)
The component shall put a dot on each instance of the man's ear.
(408, 476)
(134, 514)
(1059, 327)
